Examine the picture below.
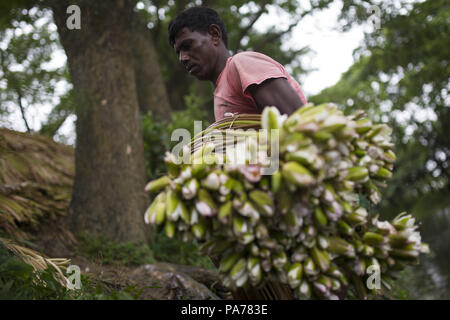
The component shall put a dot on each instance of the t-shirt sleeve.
(247, 69)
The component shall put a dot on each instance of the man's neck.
(221, 63)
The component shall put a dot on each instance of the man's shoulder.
(245, 56)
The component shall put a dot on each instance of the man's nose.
(184, 57)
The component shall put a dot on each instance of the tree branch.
(157, 28)
(22, 110)
(255, 18)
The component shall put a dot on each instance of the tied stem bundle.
(303, 225)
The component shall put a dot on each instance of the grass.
(131, 254)
(108, 252)
(178, 252)
(19, 281)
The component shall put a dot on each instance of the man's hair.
(196, 19)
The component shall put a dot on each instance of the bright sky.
(331, 49)
(331, 55)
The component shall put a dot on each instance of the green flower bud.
(228, 261)
(158, 184)
(205, 204)
(294, 273)
(169, 229)
(373, 238)
(297, 174)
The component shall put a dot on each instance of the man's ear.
(215, 33)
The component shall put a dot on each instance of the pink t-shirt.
(242, 70)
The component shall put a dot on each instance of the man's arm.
(276, 92)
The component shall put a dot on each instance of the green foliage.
(155, 137)
(109, 252)
(130, 254)
(157, 133)
(185, 118)
(30, 40)
(19, 281)
(59, 114)
(92, 288)
(401, 77)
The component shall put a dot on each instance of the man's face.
(197, 53)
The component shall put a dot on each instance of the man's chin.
(199, 75)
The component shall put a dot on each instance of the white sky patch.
(58, 60)
(332, 50)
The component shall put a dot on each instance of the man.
(245, 82)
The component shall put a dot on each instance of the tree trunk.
(108, 198)
(151, 90)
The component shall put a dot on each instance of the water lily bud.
(169, 229)
(294, 273)
(225, 211)
(373, 238)
(173, 165)
(389, 156)
(205, 204)
(263, 201)
(238, 269)
(403, 221)
(305, 156)
(304, 290)
(363, 125)
(254, 270)
(239, 225)
(151, 215)
(309, 267)
(228, 261)
(199, 230)
(157, 184)
(297, 174)
(340, 247)
(211, 182)
(248, 210)
(299, 254)
(383, 173)
(246, 238)
(173, 206)
(261, 231)
(279, 260)
(271, 118)
(357, 174)
(276, 181)
(320, 258)
(190, 188)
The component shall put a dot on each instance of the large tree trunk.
(108, 197)
(151, 90)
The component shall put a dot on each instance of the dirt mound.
(36, 179)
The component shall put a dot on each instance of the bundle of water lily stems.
(38, 261)
(301, 225)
